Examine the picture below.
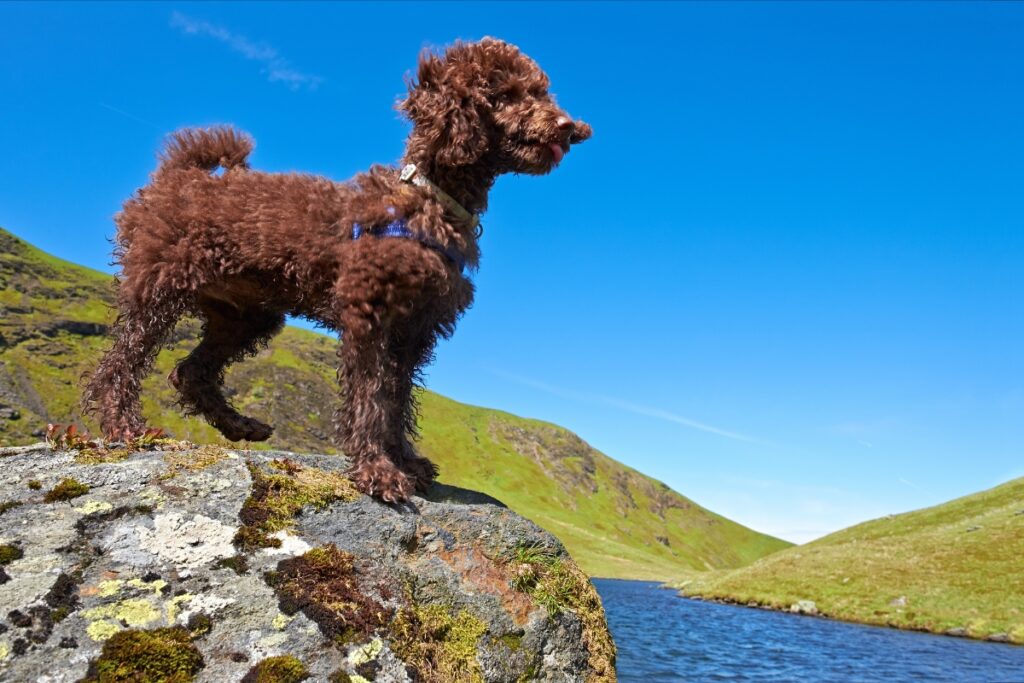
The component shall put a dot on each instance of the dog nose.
(564, 124)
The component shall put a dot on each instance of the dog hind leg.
(112, 391)
(229, 335)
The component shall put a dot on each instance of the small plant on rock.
(163, 655)
(145, 441)
(68, 440)
(66, 490)
(283, 669)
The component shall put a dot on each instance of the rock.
(225, 565)
(9, 414)
(958, 632)
(804, 607)
(999, 638)
(973, 528)
(899, 602)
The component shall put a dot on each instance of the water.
(662, 638)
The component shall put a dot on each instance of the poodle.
(381, 258)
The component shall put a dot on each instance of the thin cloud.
(276, 68)
(635, 408)
(125, 114)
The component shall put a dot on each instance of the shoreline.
(963, 634)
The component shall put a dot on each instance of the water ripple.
(663, 638)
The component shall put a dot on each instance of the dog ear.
(445, 106)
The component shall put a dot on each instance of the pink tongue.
(556, 152)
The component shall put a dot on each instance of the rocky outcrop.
(167, 561)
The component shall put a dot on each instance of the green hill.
(956, 567)
(615, 521)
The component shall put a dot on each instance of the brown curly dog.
(379, 258)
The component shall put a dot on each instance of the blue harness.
(400, 228)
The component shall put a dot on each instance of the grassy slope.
(615, 521)
(959, 565)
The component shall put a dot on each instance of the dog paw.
(381, 479)
(246, 429)
(421, 471)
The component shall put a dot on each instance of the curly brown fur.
(243, 249)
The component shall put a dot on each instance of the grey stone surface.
(144, 549)
(804, 607)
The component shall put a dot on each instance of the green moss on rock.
(100, 456)
(557, 584)
(63, 595)
(439, 646)
(284, 669)
(249, 538)
(512, 641)
(237, 563)
(66, 490)
(163, 655)
(9, 553)
(277, 499)
(192, 460)
(9, 505)
(199, 625)
(324, 585)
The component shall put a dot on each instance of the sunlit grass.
(954, 566)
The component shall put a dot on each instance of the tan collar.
(411, 174)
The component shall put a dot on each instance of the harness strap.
(400, 228)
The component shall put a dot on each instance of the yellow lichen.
(156, 585)
(108, 588)
(134, 612)
(102, 630)
(94, 506)
(152, 497)
(366, 653)
(5, 650)
(174, 605)
(281, 621)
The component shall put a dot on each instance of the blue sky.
(784, 276)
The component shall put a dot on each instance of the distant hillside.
(957, 567)
(615, 521)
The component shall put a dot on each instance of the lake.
(662, 637)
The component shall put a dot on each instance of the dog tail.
(206, 148)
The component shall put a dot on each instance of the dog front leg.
(410, 350)
(367, 417)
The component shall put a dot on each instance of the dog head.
(488, 104)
